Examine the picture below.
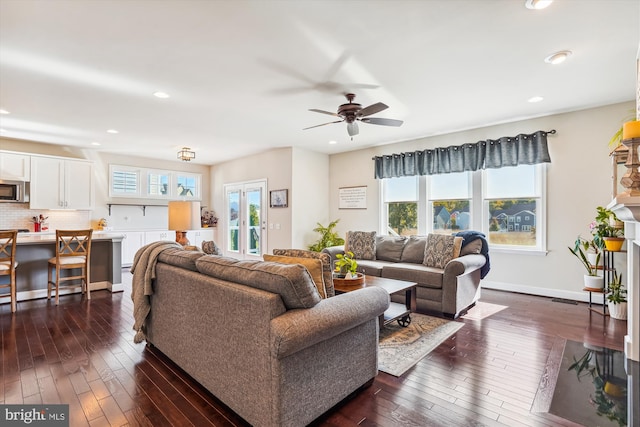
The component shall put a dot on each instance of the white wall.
(310, 192)
(578, 180)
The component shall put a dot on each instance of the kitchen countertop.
(26, 238)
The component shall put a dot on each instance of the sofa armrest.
(301, 328)
(463, 265)
(333, 251)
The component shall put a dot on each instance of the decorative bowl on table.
(343, 281)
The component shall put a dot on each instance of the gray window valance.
(524, 149)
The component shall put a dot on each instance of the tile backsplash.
(18, 215)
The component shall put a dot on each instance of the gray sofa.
(257, 335)
(447, 291)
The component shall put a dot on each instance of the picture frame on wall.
(278, 198)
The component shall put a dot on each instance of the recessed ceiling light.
(535, 99)
(95, 143)
(112, 131)
(537, 4)
(161, 95)
(558, 57)
(333, 142)
(4, 112)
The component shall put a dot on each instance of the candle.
(631, 129)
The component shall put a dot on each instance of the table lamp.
(183, 216)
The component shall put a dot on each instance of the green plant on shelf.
(616, 291)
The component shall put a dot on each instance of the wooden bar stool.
(73, 251)
(8, 263)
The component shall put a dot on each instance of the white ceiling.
(243, 74)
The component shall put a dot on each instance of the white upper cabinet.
(15, 166)
(59, 183)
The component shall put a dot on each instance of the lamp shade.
(184, 215)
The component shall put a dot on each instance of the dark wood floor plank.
(487, 374)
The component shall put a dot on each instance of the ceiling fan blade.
(383, 122)
(315, 110)
(323, 124)
(352, 128)
(372, 109)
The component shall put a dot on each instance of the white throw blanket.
(144, 271)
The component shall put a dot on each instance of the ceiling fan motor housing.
(349, 111)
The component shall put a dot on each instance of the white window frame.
(478, 211)
(143, 183)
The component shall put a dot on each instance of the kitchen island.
(34, 250)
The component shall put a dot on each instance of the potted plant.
(346, 266)
(616, 298)
(328, 237)
(591, 280)
(607, 230)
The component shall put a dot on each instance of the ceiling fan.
(352, 113)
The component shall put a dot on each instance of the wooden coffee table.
(396, 311)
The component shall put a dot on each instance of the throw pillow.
(325, 258)
(440, 249)
(361, 243)
(314, 266)
(414, 250)
(473, 247)
(210, 248)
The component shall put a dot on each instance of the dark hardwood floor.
(82, 353)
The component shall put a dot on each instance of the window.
(450, 202)
(513, 200)
(127, 181)
(400, 200)
(158, 184)
(506, 204)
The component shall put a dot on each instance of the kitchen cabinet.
(131, 242)
(58, 183)
(158, 236)
(15, 166)
(196, 237)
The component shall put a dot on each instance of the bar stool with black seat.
(8, 264)
(73, 252)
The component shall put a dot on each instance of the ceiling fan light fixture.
(537, 4)
(558, 57)
(186, 154)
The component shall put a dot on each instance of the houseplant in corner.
(616, 298)
(591, 280)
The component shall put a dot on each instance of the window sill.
(528, 252)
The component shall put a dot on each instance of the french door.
(246, 219)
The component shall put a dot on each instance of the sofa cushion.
(414, 249)
(361, 243)
(473, 247)
(389, 248)
(180, 258)
(429, 277)
(313, 265)
(292, 282)
(372, 267)
(440, 249)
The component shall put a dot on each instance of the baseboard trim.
(42, 293)
(543, 292)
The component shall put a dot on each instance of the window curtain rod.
(523, 149)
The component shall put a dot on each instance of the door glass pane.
(233, 222)
(254, 200)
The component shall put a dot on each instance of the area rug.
(401, 348)
(482, 310)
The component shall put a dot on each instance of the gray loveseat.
(257, 335)
(448, 291)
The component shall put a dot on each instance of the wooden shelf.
(142, 205)
(597, 290)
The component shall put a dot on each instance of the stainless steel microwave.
(14, 191)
